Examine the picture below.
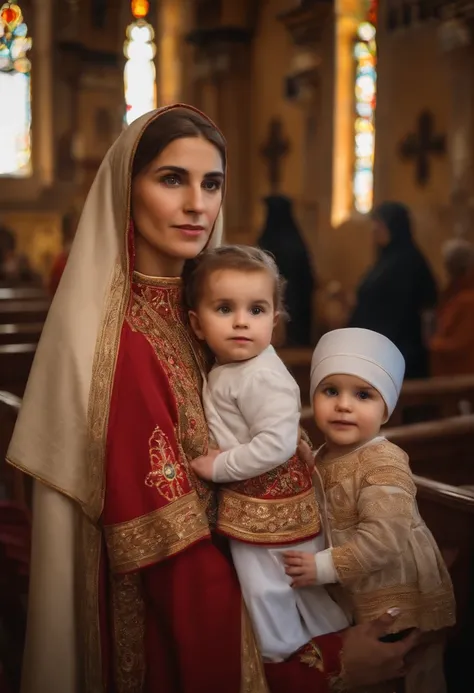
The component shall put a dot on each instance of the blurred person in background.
(283, 239)
(68, 232)
(452, 345)
(398, 289)
(15, 269)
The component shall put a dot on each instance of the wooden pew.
(23, 305)
(12, 481)
(15, 533)
(449, 513)
(15, 365)
(20, 333)
(440, 450)
(434, 398)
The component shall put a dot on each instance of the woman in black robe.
(398, 289)
(281, 236)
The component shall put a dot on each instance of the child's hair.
(244, 258)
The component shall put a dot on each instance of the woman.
(397, 290)
(282, 237)
(129, 592)
(452, 345)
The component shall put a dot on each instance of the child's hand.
(203, 466)
(300, 566)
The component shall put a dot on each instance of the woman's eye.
(172, 180)
(211, 185)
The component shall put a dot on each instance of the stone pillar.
(169, 39)
(457, 42)
(306, 25)
(222, 89)
(42, 80)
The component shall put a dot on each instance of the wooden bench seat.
(440, 450)
(17, 333)
(12, 482)
(449, 513)
(15, 365)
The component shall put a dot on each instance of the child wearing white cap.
(380, 549)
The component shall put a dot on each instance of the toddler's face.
(236, 315)
(348, 411)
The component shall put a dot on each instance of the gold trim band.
(151, 538)
(258, 521)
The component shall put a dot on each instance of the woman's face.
(175, 203)
(380, 233)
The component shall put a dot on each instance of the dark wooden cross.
(274, 150)
(419, 145)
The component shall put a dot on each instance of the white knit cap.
(365, 354)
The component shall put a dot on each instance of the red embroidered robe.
(171, 609)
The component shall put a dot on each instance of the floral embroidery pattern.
(311, 656)
(166, 475)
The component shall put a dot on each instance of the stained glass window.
(140, 72)
(15, 93)
(365, 56)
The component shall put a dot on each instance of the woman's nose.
(195, 200)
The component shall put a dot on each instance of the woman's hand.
(203, 466)
(301, 566)
(366, 660)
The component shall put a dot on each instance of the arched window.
(15, 93)
(365, 89)
(140, 72)
(354, 108)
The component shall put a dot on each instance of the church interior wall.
(271, 57)
(413, 77)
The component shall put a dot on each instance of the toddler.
(380, 551)
(252, 406)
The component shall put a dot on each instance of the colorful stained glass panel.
(15, 93)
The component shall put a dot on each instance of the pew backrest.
(12, 481)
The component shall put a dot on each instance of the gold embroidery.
(101, 389)
(431, 611)
(166, 475)
(361, 462)
(158, 535)
(390, 476)
(253, 672)
(287, 480)
(158, 315)
(312, 657)
(346, 564)
(387, 506)
(338, 683)
(128, 610)
(90, 541)
(259, 521)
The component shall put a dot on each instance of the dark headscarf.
(397, 289)
(281, 236)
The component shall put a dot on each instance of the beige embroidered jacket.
(383, 553)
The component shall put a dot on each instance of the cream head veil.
(60, 434)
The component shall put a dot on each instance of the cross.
(421, 144)
(275, 148)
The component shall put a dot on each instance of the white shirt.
(253, 412)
